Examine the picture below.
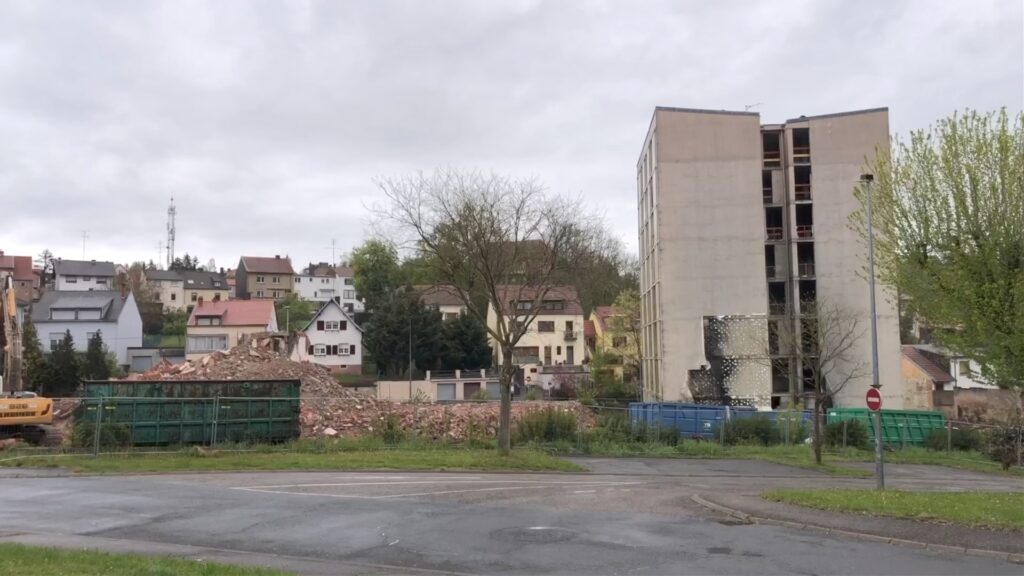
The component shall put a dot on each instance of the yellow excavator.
(23, 414)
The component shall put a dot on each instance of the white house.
(83, 276)
(443, 298)
(115, 316)
(554, 337)
(331, 339)
(322, 282)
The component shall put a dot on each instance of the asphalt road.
(629, 516)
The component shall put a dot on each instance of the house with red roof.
(214, 326)
(264, 277)
(26, 282)
(554, 326)
(617, 336)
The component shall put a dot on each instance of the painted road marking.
(513, 485)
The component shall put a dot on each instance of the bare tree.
(496, 237)
(825, 339)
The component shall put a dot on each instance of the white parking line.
(446, 481)
(517, 485)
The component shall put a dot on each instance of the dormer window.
(208, 321)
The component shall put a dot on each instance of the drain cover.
(534, 534)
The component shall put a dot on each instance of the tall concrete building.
(743, 230)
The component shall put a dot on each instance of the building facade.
(743, 233)
(83, 275)
(444, 298)
(260, 277)
(26, 280)
(554, 337)
(333, 340)
(113, 314)
(323, 282)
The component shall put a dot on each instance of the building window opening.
(777, 298)
(773, 223)
(805, 259)
(766, 186)
(771, 150)
(769, 261)
(780, 376)
(809, 338)
(802, 183)
(801, 146)
(808, 296)
(804, 221)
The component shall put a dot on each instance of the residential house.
(331, 339)
(922, 375)
(83, 275)
(180, 290)
(229, 274)
(115, 315)
(443, 298)
(611, 337)
(166, 287)
(262, 277)
(322, 282)
(26, 281)
(220, 325)
(554, 337)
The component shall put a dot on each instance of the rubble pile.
(330, 409)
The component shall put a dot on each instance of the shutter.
(352, 349)
(334, 349)
(343, 325)
(320, 325)
(310, 349)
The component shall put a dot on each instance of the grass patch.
(37, 561)
(962, 460)
(996, 510)
(360, 454)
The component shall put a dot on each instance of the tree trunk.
(817, 428)
(505, 414)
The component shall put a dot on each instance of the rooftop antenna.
(85, 234)
(170, 233)
(159, 250)
(334, 251)
(748, 107)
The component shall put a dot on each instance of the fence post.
(949, 436)
(721, 431)
(216, 410)
(785, 429)
(99, 427)
(844, 434)
(1020, 432)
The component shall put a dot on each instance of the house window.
(554, 305)
(55, 338)
(173, 296)
(276, 293)
(86, 278)
(261, 279)
(348, 281)
(206, 343)
(101, 280)
(275, 279)
(259, 293)
(350, 295)
(208, 321)
(71, 279)
(319, 350)
(618, 341)
(298, 280)
(558, 350)
(546, 326)
(323, 281)
(349, 308)
(964, 368)
(195, 296)
(333, 325)
(568, 325)
(524, 305)
(89, 336)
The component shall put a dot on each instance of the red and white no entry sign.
(874, 399)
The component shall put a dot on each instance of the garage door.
(141, 363)
(494, 390)
(446, 392)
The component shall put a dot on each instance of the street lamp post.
(868, 180)
(410, 358)
(287, 319)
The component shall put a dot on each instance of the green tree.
(185, 263)
(376, 272)
(293, 312)
(948, 210)
(465, 344)
(625, 325)
(95, 366)
(174, 323)
(33, 362)
(63, 376)
(386, 335)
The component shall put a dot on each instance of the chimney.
(92, 261)
(277, 256)
(199, 302)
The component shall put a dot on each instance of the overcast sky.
(267, 121)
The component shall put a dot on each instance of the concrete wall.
(839, 146)
(398, 390)
(707, 257)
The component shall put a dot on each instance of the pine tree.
(465, 344)
(96, 367)
(63, 372)
(34, 367)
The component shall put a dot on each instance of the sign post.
(874, 403)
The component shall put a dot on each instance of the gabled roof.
(439, 295)
(20, 267)
(603, 313)
(932, 369)
(162, 275)
(326, 305)
(235, 312)
(265, 265)
(344, 271)
(508, 294)
(200, 280)
(588, 329)
(109, 301)
(83, 268)
(321, 270)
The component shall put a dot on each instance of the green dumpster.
(168, 412)
(899, 427)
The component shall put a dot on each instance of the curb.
(865, 536)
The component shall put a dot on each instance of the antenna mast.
(170, 233)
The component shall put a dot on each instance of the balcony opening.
(766, 186)
(805, 259)
(773, 226)
(774, 342)
(771, 151)
(802, 183)
(808, 377)
(777, 298)
(801, 146)
(804, 221)
(780, 376)
(769, 261)
(809, 337)
(808, 296)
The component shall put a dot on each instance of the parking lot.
(627, 516)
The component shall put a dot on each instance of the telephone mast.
(170, 233)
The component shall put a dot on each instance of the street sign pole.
(879, 464)
(868, 180)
